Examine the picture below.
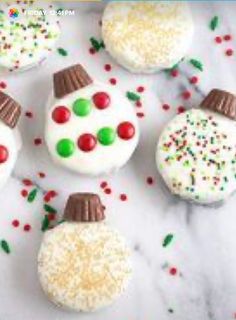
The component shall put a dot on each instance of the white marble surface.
(203, 249)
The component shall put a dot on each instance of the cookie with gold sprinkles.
(147, 36)
(28, 33)
(196, 152)
(83, 264)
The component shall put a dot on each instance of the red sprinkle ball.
(174, 73)
(165, 106)
(227, 37)
(186, 95)
(29, 114)
(140, 114)
(229, 52)
(181, 109)
(37, 141)
(138, 104)
(27, 182)
(107, 191)
(173, 271)
(49, 195)
(15, 223)
(113, 81)
(27, 227)
(107, 67)
(103, 184)
(123, 197)
(3, 85)
(41, 174)
(150, 180)
(24, 193)
(193, 80)
(218, 39)
(140, 89)
(92, 51)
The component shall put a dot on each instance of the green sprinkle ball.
(65, 148)
(82, 107)
(106, 136)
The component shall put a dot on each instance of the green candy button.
(82, 107)
(65, 148)
(106, 136)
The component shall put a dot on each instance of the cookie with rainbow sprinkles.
(91, 127)
(28, 34)
(196, 152)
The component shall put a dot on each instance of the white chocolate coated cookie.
(10, 144)
(25, 39)
(83, 266)
(92, 131)
(196, 156)
(147, 36)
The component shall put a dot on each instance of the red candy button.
(87, 142)
(101, 100)
(126, 130)
(3, 154)
(61, 114)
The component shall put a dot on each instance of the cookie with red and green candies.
(91, 127)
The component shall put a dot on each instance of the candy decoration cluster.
(87, 142)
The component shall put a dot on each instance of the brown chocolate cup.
(10, 110)
(222, 102)
(84, 207)
(69, 80)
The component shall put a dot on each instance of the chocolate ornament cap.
(84, 207)
(10, 110)
(69, 80)
(222, 102)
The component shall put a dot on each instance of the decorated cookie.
(196, 153)
(147, 36)
(10, 141)
(91, 127)
(28, 33)
(83, 264)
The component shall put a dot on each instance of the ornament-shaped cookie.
(83, 264)
(91, 127)
(28, 33)
(147, 36)
(196, 152)
(10, 141)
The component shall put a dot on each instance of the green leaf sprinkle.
(32, 195)
(167, 240)
(214, 23)
(45, 223)
(132, 96)
(96, 44)
(62, 52)
(5, 246)
(49, 209)
(197, 64)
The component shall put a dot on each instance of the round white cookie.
(83, 266)
(146, 36)
(10, 144)
(196, 156)
(27, 34)
(93, 130)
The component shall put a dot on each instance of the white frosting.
(83, 266)
(27, 39)
(147, 36)
(103, 159)
(10, 139)
(205, 145)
